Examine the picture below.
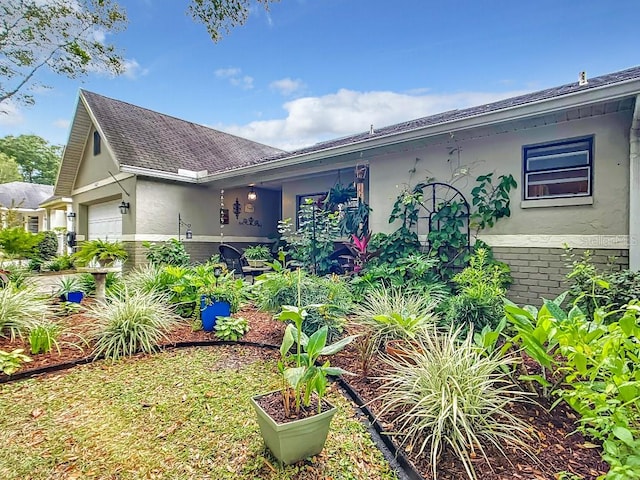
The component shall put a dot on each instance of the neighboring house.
(574, 149)
(25, 200)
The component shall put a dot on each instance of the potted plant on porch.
(257, 255)
(294, 421)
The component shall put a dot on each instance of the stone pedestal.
(100, 277)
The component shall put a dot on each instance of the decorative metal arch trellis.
(443, 222)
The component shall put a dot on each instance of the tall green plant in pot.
(294, 421)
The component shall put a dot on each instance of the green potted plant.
(257, 255)
(70, 290)
(294, 421)
(104, 252)
(218, 301)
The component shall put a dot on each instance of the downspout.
(634, 189)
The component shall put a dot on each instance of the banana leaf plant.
(301, 373)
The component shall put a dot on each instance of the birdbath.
(100, 277)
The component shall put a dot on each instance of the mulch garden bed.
(556, 448)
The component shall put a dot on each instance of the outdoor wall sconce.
(237, 208)
(252, 195)
(71, 216)
(188, 233)
(124, 207)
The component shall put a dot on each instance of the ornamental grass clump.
(21, 309)
(131, 323)
(391, 314)
(449, 395)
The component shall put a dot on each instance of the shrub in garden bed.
(591, 362)
(592, 288)
(449, 395)
(274, 289)
(131, 323)
(21, 309)
(183, 286)
(62, 262)
(480, 293)
(171, 252)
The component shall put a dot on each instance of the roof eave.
(148, 172)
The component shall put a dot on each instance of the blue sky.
(311, 70)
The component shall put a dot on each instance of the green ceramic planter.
(297, 440)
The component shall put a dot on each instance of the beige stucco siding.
(106, 193)
(158, 205)
(502, 152)
(94, 168)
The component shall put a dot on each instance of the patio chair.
(233, 259)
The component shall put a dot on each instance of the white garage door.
(105, 221)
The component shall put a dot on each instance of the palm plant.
(21, 309)
(448, 394)
(131, 323)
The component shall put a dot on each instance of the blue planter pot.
(75, 297)
(209, 313)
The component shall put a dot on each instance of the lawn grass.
(181, 414)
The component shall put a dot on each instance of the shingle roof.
(23, 194)
(453, 115)
(143, 138)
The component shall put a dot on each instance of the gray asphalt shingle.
(23, 194)
(146, 139)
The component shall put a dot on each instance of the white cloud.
(245, 82)
(287, 86)
(62, 123)
(10, 114)
(227, 72)
(313, 119)
(133, 70)
(235, 77)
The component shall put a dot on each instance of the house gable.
(94, 168)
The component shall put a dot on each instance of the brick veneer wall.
(199, 252)
(541, 272)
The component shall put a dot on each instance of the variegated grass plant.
(447, 394)
(21, 309)
(132, 322)
(146, 279)
(391, 314)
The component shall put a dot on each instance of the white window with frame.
(562, 169)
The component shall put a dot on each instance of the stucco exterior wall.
(95, 168)
(502, 153)
(106, 193)
(159, 203)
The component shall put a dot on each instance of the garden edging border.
(396, 458)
